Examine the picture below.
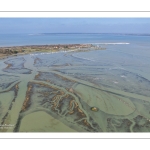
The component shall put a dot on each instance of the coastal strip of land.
(18, 50)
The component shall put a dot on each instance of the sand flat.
(42, 122)
(109, 103)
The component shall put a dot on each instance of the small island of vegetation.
(14, 50)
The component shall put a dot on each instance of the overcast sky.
(75, 25)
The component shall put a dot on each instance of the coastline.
(11, 51)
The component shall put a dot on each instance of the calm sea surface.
(39, 39)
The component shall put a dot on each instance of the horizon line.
(81, 33)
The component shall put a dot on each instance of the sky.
(74, 25)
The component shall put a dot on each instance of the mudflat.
(55, 88)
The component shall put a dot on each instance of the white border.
(85, 135)
(75, 14)
(74, 5)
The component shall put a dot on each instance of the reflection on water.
(54, 92)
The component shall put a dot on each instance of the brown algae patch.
(6, 103)
(8, 65)
(94, 109)
(7, 81)
(142, 124)
(26, 103)
(16, 65)
(55, 79)
(55, 102)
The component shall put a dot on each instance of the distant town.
(14, 50)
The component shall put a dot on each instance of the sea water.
(64, 38)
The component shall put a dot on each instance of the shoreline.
(9, 51)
